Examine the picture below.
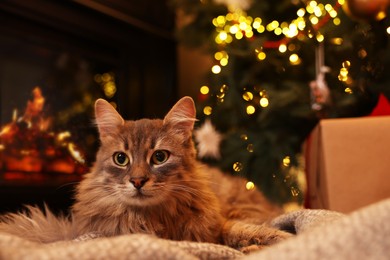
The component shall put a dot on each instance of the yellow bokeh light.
(346, 64)
(261, 55)
(218, 55)
(234, 29)
(239, 35)
(221, 20)
(314, 20)
(109, 89)
(337, 41)
(336, 21)
(301, 25)
(282, 48)
(229, 17)
(216, 69)
(261, 29)
(388, 30)
(333, 13)
(320, 37)
(249, 34)
(237, 166)
(309, 9)
(348, 90)
(313, 3)
(286, 161)
(106, 77)
(317, 11)
(344, 72)
(250, 185)
(257, 23)
(224, 61)
(264, 102)
(243, 26)
(207, 110)
(250, 110)
(204, 90)
(223, 36)
(278, 31)
(247, 96)
(294, 59)
(301, 12)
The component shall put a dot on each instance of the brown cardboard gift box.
(348, 163)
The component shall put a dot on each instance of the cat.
(146, 179)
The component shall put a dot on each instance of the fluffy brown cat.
(146, 179)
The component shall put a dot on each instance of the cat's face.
(145, 162)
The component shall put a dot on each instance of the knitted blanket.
(321, 234)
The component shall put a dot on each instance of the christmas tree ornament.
(320, 95)
(208, 140)
(366, 10)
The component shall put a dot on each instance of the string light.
(282, 48)
(204, 90)
(344, 73)
(250, 110)
(261, 55)
(107, 83)
(216, 69)
(247, 96)
(238, 25)
(237, 166)
(250, 185)
(348, 91)
(294, 59)
(207, 110)
(264, 102)
(286, 161)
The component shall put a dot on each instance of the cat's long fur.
(179, 199)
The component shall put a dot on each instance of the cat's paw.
(262, 239)
(248, 237)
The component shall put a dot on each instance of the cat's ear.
(182, 115)
(107, 118)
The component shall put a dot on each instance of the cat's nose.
(138, 182)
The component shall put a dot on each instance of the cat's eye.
(160, 157)
(121, 159)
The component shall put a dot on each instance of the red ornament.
(366, 10)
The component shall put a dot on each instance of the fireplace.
(56, 59)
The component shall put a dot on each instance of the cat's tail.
(37, 225)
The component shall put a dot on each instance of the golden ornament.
(366, 10)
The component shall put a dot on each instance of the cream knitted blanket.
(321, 234)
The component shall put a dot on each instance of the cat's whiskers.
(203, 181)
(176, 188)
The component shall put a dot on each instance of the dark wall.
(136, 37)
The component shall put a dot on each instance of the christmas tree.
(280, 67)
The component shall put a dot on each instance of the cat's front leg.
(250, 237)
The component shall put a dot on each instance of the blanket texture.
(321, 234)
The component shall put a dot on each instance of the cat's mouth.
(140, 194)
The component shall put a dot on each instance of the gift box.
(348, 163)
